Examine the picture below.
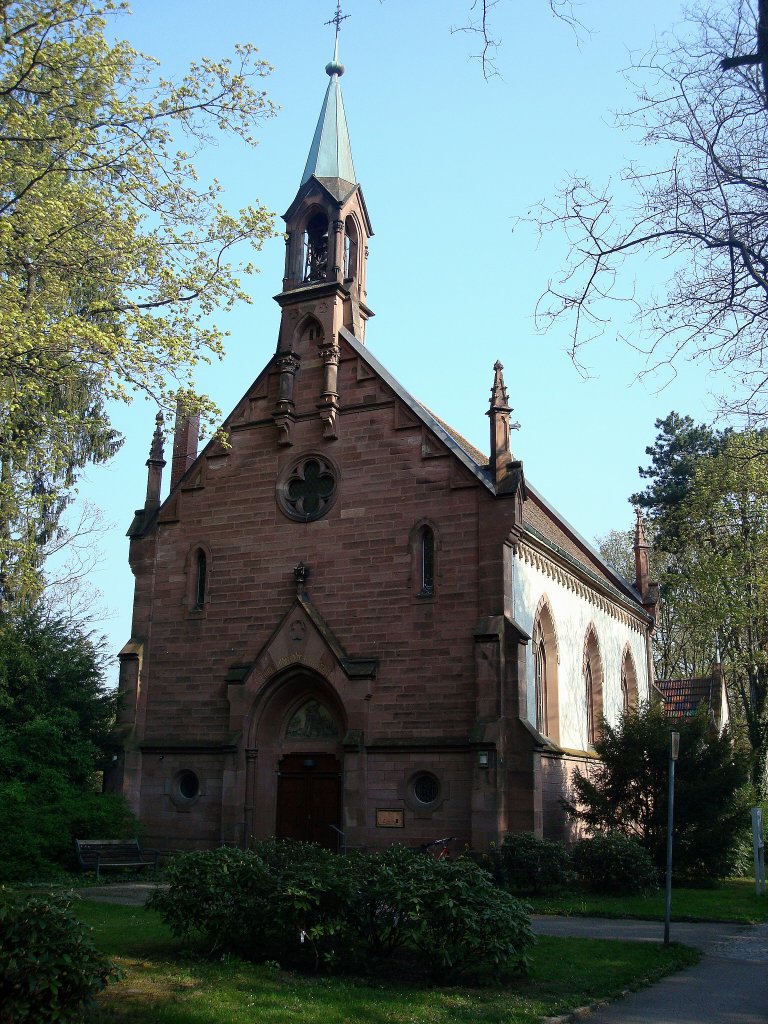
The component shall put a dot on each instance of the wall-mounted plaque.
(386, 818)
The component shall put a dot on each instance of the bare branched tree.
(480, 24)
(703, 209)
(70, 557)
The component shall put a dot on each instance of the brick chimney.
(185, 436)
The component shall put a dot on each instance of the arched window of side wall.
(350, 249)
(592, 669)
(545, 672)
(198, 573)
(628, 681)
(427, 545)
(201, 577)
(423, 543)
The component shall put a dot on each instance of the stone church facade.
(349, 625)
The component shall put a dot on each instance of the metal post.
(674, 746)
(759, 850)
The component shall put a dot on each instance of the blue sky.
(447, 162)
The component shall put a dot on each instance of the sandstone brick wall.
(362, 568)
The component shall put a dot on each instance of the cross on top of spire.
(337, 20)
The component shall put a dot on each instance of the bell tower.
(326, 247)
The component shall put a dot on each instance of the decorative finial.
(640, 539)
(335, 67)
(499, 396)
(156, 450)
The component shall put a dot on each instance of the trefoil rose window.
(309, 489)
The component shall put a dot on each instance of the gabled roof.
(330, 155)
(551, 529)
(436, 426)
(556, 533)
(682, 697)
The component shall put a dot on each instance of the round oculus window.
(308, 490)
(425, 787)
(188, 785)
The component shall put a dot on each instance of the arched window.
(201, 578)
(350, 249)
(427, 561)
(628, 682)
(423, 548)
(590, 687)
(545, 664)
(540, 678)
(593, 687)
(316, 248)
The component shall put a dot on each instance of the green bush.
(39, 822)
(385, 891)
(303, 906)
(614, 863)
(531, 866)
(56, 713)
(465, 924)
(280, 901)
(626, 790)
(49, 970)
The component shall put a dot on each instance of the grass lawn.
(163, 984)
(735, 900)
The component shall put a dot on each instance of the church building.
(350, 625)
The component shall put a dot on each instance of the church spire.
(327, 233)
(330, 155)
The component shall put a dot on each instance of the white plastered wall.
(574, 607)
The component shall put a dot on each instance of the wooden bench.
(98, 854)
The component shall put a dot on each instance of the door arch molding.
(276, 764)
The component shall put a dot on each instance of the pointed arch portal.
(297, 774)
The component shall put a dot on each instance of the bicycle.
(439, 848)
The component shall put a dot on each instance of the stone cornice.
(535, 551)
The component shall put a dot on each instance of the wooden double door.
(309, 798)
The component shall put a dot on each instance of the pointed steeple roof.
(330, 155)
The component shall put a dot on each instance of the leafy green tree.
(55, 718)
(683, 646)
(113, 256)
(707, 500)
(724, 561)
(626, 790)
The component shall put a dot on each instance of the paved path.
(133, 894)
(728, 986)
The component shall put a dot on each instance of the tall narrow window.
(545, 672)
(201, 579)
(316, 248)
(628, 682)
(350, 249)
(540, 679)
(593, 687)
(589, 684)
(427, 561)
